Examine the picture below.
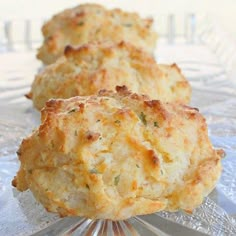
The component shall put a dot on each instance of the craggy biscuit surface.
(91, 67)
(89, 23)
(117, 155)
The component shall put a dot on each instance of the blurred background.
(221, 11)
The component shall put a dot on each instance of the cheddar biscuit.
(117, 155)
(89, 23)
(85, 70)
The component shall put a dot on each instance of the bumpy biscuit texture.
(95, 66)
(117, 155)
(89, 23)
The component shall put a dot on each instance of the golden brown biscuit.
(117, 155)
(91, 22)
(91, 67)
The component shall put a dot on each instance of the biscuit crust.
(93, 23)
(85, 70)
(117, 155)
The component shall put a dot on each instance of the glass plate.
(205, 60)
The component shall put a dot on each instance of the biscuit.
(89, 23)
(117, 155)
(91, 67)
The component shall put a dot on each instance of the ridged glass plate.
(214, 93)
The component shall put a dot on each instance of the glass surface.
(214, 93)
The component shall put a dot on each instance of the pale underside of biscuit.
(85, 70)
(117, 155)
(93, 23)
